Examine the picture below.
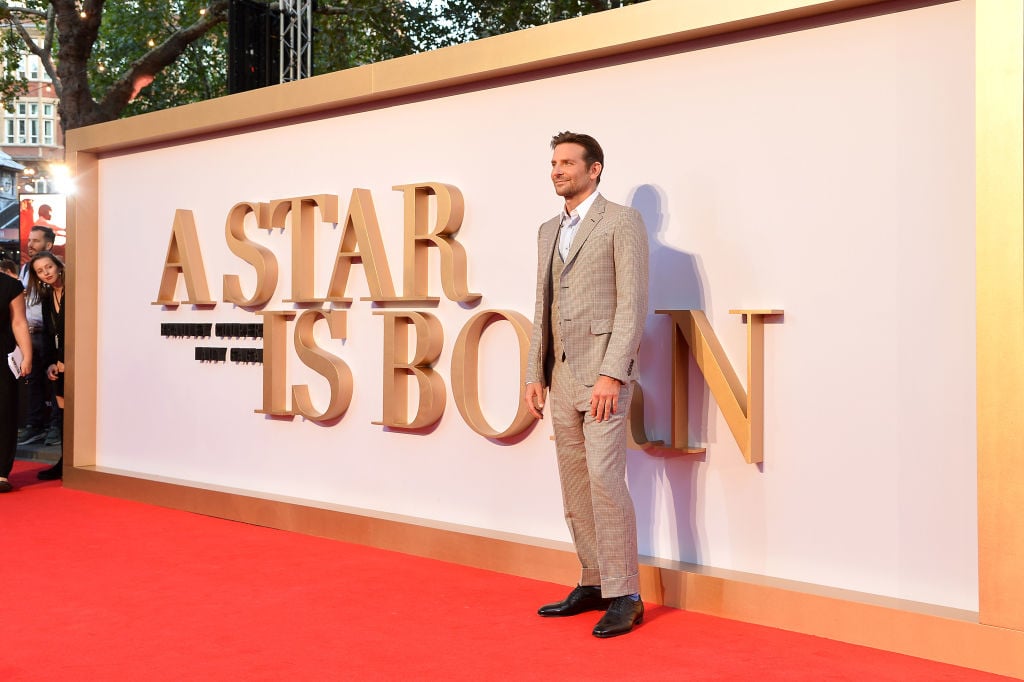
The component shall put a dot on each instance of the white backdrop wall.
(826, 171)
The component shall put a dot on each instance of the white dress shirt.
(571, 224)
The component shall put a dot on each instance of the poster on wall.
(46, 210)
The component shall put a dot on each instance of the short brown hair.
(592, 152)
(48, 236)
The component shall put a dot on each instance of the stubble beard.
(566, 191)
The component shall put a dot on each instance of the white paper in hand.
(14, 359)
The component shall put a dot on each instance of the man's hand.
(604, 401)
(533, 396)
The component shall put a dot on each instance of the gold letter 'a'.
(184, 258)
(361, 239)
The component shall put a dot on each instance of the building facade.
(32, 134)
(32, 141)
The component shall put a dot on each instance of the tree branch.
(330, 10)
(8, 12)
(143, 70)
(51, 26)
(44, 51)
(327, 9)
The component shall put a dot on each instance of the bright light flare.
(62, 180)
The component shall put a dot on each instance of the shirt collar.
(581, 210)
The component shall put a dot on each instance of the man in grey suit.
(592, 265)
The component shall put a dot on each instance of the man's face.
(570, 174)
(36, 243)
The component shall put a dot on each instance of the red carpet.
(105, 589)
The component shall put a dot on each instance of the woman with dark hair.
(46, 284)
(13, 333)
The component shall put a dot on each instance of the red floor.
(106, 589)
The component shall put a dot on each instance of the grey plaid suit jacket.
(602, 300)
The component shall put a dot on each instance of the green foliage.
(125, 35)
(368, 31)
(12, 46)
(347, 33)
(11, 83)
(361, 32)
(464, 20)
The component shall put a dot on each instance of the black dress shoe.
(581, 599)
(5, 486)
(53, 473)
(622, 615)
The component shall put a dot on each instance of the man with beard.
(592, 272)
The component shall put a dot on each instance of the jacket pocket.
(601, 326)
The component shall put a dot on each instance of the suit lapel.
(593, 217)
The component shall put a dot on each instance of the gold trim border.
(992, 640)
(999, 125)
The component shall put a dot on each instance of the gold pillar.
(1000, 316)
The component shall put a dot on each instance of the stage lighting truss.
(296, 25)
